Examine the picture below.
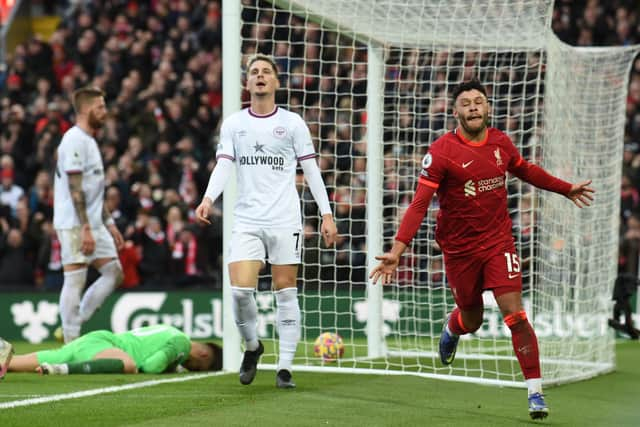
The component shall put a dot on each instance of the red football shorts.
(496, 269)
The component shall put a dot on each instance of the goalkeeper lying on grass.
(151, 350)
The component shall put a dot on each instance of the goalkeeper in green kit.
(151, 350)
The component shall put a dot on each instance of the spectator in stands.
(16, 140)
(15, 267)
(631, 162)
(626, 284)
(113, 201)
(130, 258)
(52, 116)
(175, 224)
(10, 193)
(155, 250)
(160, 65)
(629, 201)
(41, 195)
(49, 259)
(185, 260)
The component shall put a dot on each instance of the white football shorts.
(279, 246)
(70, 245)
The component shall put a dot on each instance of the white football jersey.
(78, 152)
(266, 150)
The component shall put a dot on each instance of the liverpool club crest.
(498, 158)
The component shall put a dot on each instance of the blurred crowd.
(159, 63)
(607, 23)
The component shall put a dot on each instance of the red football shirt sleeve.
(533, 174)
(434, 169)
(416, 211)
(434, 164)
(537, 176)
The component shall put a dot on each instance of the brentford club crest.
(279, 132)
(498, 158)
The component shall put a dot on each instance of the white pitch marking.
(20, 395)
(104, 390)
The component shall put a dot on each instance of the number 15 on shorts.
(513, 264)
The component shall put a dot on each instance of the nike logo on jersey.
(464, 165)
(513, 275)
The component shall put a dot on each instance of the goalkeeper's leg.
(100, 366)
(94, 353)
(23, 363)
(6, 354)
(30, 362)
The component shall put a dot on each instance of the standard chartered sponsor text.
(490, 183)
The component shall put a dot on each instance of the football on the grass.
(329, 346)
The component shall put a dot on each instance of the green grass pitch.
(320, 400)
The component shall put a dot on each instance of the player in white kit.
(266, 143)
(87, 233)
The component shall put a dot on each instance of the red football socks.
(455, 323)
(525, 344)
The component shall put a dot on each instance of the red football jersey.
(470, 178)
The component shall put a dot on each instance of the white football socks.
(451, 333)
(534, 385)
(110, 278)
(288, 320)
(245, 312)
(72, 287)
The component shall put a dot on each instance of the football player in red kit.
(466, 168)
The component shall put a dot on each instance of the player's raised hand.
(386, 269)
(581, 194)
(204, 210)
(328, 230)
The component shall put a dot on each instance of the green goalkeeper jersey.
(155, 348)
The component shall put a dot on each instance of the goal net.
(372, 81)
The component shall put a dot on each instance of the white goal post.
(371, 79)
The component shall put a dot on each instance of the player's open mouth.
(261, 84)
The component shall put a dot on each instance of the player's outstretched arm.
(217, 181)
(408, 228)
(581, 194)
(388, 264)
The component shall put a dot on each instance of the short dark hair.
(84, 95)
(262, 57)
(466, 86)
(216, 360)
